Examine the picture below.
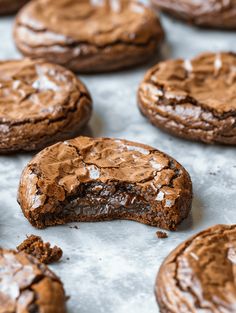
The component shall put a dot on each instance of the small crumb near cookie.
(161, 234)
(74, 227)
(35, 246)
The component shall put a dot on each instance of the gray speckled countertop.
(110, 267)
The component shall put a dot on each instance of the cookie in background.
(207, 13)
(89, 36)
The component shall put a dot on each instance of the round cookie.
(200, 274)
(88, 36)
(193, 99)
(11, 6)
(28, 286)
(40, 104)
(87, 179)
(210, 13)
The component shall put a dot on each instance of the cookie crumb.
(75, 227)
(212, 173)
(161, 234)
(35, 246)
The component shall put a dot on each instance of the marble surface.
(111, 267)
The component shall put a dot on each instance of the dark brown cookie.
(88, 36)
(11, 6)
(211, 13)
(40, 104)
(28, 286)
(86, 179)
(35, 246)
(194, 99)
(200, 274)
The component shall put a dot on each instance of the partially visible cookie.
(200, 274)
(11, 6)
(43, 251)
(40, 104)
(193, 99)
(28, 286)
(210, 13)
(88, 36)
(87, 179)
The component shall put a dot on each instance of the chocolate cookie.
(199, 275)
(194, 99)
(35, 246)
(86, 179)
(10, 6)
(27, 286)
(88, 36)
(40, 104)
(211, 13)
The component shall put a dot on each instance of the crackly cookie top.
(59, 170)
(201, 7)
(208, 81)
(28, 286)
(95, 22)
(200, 275)
(218, 13)
(33, 90)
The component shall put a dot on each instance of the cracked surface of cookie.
(43, 251)
(87, 179)
(28, 286)
(193, 99)
(11, 6)
(210, 13)
(40, 104)
(200, 274)
(88, 36)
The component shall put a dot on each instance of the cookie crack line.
(190, 100)
(141, 181)
(210, 123)
(49, 120)
(73, 43)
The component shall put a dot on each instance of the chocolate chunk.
(193, 99)
(161, 234)
(199, 275)
(40, 104)
(87, 179)
(210, 13)
(35, 246)
(88, 36)
(11, 6)
(28, 286)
